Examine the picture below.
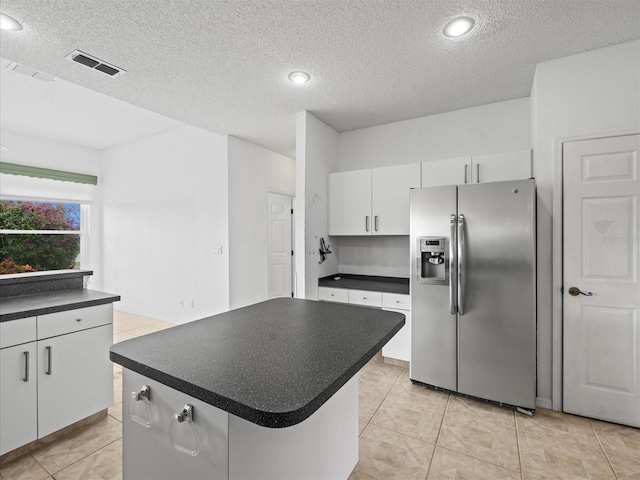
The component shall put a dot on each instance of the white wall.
(165, 209)
(316, 156)
(35, 151)
(253, 173)
(494, 128)
(588, 95)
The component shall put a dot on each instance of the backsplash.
(386, 256)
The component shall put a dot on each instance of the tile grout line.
(615, 474)
(515, 421)
(83, 458)
(444, 414)
(381, 402)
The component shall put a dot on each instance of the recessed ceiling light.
(8, 23)
(458, 26)
(299, 77)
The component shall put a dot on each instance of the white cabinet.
(350, 203)
(372, 202)
(478, 169)
(399, 347)
(54, 371)
(75, 377)
(19, 396)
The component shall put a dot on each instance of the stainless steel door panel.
(496, 334)
(433, 327)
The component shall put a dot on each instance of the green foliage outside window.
(39, 251)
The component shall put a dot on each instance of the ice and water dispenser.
(433, 260)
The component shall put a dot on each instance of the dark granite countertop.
(273, 363)
(13, 308)
(39, 276)
(366, 282)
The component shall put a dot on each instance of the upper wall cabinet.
(372, 202)
(478, 169)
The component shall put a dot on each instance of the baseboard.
(544, 403)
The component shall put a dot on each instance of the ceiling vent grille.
(95, 63)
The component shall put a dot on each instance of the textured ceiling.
(222, 65)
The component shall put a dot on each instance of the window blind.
(48, 173)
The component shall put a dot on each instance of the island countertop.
(273, 363)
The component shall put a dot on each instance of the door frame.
(557, 256)
(293, 236)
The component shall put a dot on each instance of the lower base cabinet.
(19, 392)
(214, 444)
(399, 347)
(53, 375)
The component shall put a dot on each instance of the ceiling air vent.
(95, 63)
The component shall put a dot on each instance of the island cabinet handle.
(49, 362)
(185, 441)
(142, 417)
(26, 367)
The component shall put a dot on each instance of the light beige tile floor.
(407, 432)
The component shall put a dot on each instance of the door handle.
(466, 168)
(26, 367)
(375, 223)
(49, 368)
(366, 223)
(575, 291)
(453, 266)
(477, 173)
(461, 273)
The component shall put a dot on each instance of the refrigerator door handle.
(461, 259)
(453, 267)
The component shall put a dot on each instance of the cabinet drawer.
(329, 294)
(396, 301)
(59, 323)
(15, 332)
(365, 297)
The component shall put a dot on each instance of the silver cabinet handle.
(366, 223)
(461, 273)
(375, 223)
(143, 395)
(49, 361)
(453, 274)
(477, 173)
(26, 367)
(466, 168)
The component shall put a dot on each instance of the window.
(40, 236)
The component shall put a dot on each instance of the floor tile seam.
(604, 451)
(480, 460)
(83, 458)
(59, 440)
(520, 453)
(444, 414)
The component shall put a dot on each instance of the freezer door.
(433, 326)
(497, 326)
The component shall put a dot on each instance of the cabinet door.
(399, 347)
(451, 171)
(502, 166)
(350, 203)
(75, 377)
(18, 396)
(390, 198)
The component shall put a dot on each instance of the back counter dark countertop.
(366, 282)
(273, 363)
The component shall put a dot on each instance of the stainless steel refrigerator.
(473, 290)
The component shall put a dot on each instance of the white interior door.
(279, 246)
(601, 240)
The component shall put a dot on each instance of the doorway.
(601, 293)
(279, 251)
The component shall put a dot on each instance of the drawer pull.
(179, 419)
(26, 367)
(143, 395)
(49, 361)
(78, 319)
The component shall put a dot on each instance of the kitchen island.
(265, 391)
